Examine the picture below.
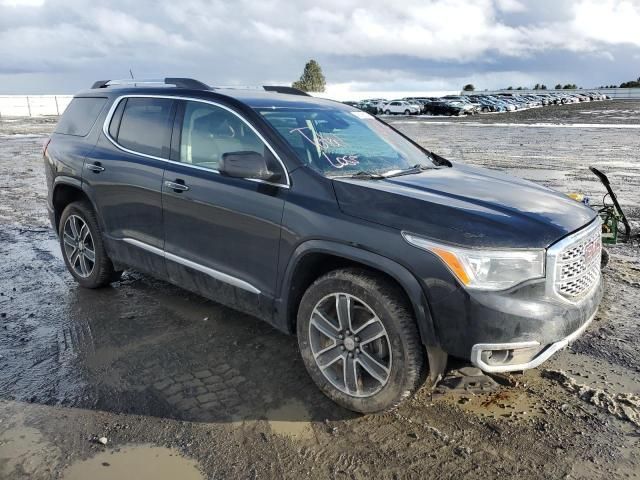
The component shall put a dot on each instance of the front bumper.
(520, 330)
(519, 355)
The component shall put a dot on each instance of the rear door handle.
(177, 186)
(95, 167)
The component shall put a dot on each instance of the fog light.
(497, 357)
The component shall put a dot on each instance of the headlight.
(485, 269)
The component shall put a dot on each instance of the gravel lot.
(171, 379)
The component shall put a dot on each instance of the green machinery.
(610, 212)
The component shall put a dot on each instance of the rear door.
(221, 234)
(124, 176)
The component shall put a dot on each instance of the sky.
(62, 46)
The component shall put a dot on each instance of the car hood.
(465, 205)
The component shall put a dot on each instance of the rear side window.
(146, 126)
(80, 115)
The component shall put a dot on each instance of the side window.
(208, 132)
(146, 126)
(114, 126)
(80, 115)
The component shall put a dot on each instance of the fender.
(78, 184)
(60, 180)
(406, 280)
(67, 180)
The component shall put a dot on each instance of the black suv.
(326, 222)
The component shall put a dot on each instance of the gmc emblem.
(590, 251)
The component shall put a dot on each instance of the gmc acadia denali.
(382, 257)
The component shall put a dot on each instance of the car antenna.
(131, 73)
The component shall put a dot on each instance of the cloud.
(510, 6)
(250, 41)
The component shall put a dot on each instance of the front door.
(221, 234)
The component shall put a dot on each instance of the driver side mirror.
(246, 165)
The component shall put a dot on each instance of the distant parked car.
(401, 107)
(368, 107)
(447, 108)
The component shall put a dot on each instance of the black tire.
(102, 272)
(407, 112)
(604, 259)
(406, 371)
(387, 112)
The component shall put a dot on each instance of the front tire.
(83, 248)
(359, 340)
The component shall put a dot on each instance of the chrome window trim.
(556, 249)
(216, 274)
(114, 105)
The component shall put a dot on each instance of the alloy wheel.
(350, 345)
(78, 246)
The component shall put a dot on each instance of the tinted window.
(114, 126)
(208, 132)
(146, 126)
(80, 116)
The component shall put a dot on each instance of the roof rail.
(283, 89)
(175, 81)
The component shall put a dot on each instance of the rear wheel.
(83, 248)
(387, 112)
(359, 340)
(407, 112)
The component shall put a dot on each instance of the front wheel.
(387, 112)
(407, 112)
(83, 248)
(359, 340)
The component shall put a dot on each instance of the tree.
(469, 87)
(558, 86)
(536, 86)
(631, 84)
(543, 87)
(312, 79)
(510, 88)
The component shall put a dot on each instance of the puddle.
(20, 449)
(292, 419)
(509, 403)
(142, 462)
(23, 450)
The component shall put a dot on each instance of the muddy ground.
(184, 388)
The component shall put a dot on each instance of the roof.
(262, 97)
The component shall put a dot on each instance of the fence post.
(28, 106)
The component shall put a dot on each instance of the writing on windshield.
(325, 142)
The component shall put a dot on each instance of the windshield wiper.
(362, 175)
(407, 171)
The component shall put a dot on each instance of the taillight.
(46, 144)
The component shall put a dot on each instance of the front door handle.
(177, 186)
(95, 167)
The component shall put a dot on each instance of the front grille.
(577, 269)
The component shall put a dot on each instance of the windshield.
(338, 142)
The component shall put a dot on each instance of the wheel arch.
(65, 191)
(314, 258)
